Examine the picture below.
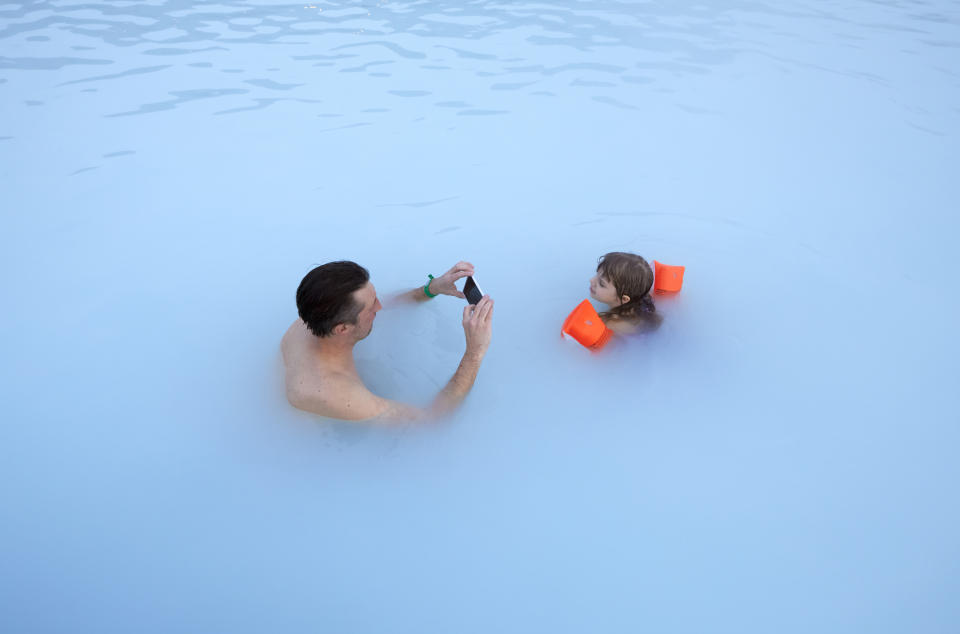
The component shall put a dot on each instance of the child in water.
(624, 282)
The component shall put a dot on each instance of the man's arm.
(446, 401)
(344, 397)
(477, 326)
(442, 285)
(354, 402)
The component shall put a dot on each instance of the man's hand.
(444, 284)
(477, 326)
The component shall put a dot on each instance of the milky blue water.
(780, 457)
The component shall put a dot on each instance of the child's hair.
(632, 276)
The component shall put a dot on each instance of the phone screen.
(472, 291)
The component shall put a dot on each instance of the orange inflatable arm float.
(667, 279)
(585, 325)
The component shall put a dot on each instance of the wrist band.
(426, 287)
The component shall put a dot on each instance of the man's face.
(367, 298)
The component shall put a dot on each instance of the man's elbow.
(299, 400)
(306, 402)
(346, 411)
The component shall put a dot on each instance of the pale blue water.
(780, 457)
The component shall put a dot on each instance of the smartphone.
(472, 291)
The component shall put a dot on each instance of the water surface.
(780, 456)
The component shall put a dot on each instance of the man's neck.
(333, 353)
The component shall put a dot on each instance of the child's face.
(601, 289)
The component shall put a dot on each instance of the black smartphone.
(472, 291)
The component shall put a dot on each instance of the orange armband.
(585, 325)
(667, 279)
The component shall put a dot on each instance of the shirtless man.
(337, 305)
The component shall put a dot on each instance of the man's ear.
(624, 299)
(340, 328)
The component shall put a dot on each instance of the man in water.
(337, 305)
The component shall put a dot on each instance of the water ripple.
(271, 85)
(47, 63)
(620, 46)
(133, 71)
(181, 97)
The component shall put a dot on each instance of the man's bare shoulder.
(317, 388)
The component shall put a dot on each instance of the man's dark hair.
(325, 296)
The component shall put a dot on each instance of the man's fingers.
(487, 309)
(461, 266)
(483, 308)
(457, 293)
(458, 271)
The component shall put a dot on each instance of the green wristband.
(426, 287)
